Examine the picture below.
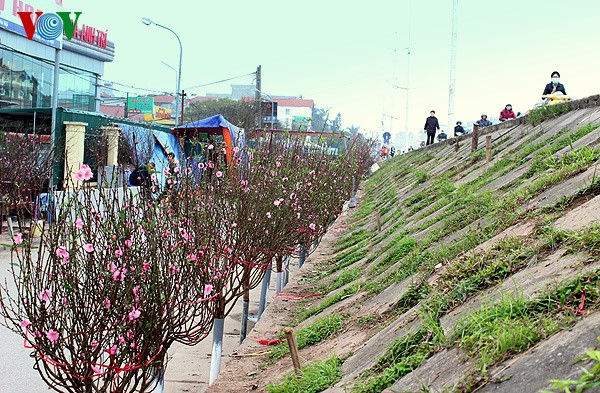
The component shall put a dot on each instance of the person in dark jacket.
(507, 113)
(142, 177)
(431, 126)
(459, 129)
(483, 122)
(555, 85)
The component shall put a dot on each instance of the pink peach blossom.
(135, 314)
(79, 223)
(84, 173)
(45, 295)
(18, 239)
(208, 288)
(88, 247)
(52, 335)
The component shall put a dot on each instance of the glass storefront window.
(26, 82)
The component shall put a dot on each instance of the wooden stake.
(378, 218)
(291, 340)
(488, 148)
(475, 138)
(456, 145)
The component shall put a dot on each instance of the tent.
(152, 146)
(214, 125)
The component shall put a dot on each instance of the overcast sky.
(348, 55)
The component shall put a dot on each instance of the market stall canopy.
(214, 125)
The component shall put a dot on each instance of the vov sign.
(49, 26)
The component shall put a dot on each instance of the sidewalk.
(188, 369)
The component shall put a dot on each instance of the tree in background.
(241, 113)
(319, 119)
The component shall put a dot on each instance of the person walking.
(431, 126)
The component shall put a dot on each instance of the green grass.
(421, 176)
(399, 251)
(312, 334)
(538, 115)
(403, 356)
(344, 278)
(508, 327)
(313, 378)
(302, 314)
(352, 239)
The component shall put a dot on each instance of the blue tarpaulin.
(211, 125)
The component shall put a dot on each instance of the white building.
(294, 113)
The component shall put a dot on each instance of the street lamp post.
(149, 22)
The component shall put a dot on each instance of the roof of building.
(164, 99)
(113, 110)
(196, 99)
(294, 102)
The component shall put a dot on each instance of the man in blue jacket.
(431, 125)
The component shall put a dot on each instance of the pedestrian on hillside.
(431, 126)
(483, 122)
(554, 85)
(458, 129)
(384, 152)
(507, 113)
(392, 151)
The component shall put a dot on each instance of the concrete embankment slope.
(455, 273)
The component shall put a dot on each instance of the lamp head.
(146, 21)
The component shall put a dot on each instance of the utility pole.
(126, 114)
(257, 96)
(452, 87)
(408, 67)
(183, 95)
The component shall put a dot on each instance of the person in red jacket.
(507, 113)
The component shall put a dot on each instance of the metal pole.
(353, 195)
(408, 67)
(55, 96)
(264, 290)
(177, 119)
(148, 22)
(272, 109)
(452, 87)
(244, 327)
(55, 81)
(286, 269)
(217, 349)
(302, 257)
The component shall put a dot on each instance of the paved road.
(16, 367)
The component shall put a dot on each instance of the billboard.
(269, 111)
(10, 19)
(47, 22)
(300, 123)
(137, 105)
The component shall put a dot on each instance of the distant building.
(294, 113)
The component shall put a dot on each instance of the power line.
(220, 81)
